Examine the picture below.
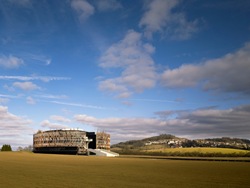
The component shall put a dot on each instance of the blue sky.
(132, 68)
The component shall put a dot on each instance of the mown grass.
(20, 169)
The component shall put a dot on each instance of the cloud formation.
(229, 73)
(29, 78)
(3, 100)
(27, 86)
(123, 128)
(49, 96)
(77, 105)
(133, 58)
(160, 17)
(60, 119)
(9, 96)
(39, 58)
(83, 9)
(30, 100)
(13, 127)
(10, 62)
(211, 122)
(49, 125)
(200, 123)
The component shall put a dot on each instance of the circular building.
(63, 141)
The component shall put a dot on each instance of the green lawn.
(20, 169)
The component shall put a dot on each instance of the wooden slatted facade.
(69, 141)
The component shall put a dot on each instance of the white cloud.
(211, 122)
(106, 5)
(131, 127)
(207, 122)
(10, 62)
(83, 9)
(29, 78)
(77, 105)
(229, 73)
(30, 100)
(114, 85)
(49, 96)
(133, 57)
(181, 28)
(4, 100)
(156, 100)
(60, 119)
(49, 125)
(39, 58)
(159, 17)
(9, 96)
(27, 86)
(14, 127)
(9, 88)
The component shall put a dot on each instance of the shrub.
(6, 147)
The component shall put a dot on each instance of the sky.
(134, 69)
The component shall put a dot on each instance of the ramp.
(102, 152)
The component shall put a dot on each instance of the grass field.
(21, 169)
(200, 150)
(188, 152)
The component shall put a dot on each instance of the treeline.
(28, 148)
(216, 142)
(183, 154)
(160, 137)
(229, 140)
(6, 147)
(133, 144)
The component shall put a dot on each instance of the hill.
(171, 141)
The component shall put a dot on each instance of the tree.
(6, 147)
(28, 148)
(19, 148)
